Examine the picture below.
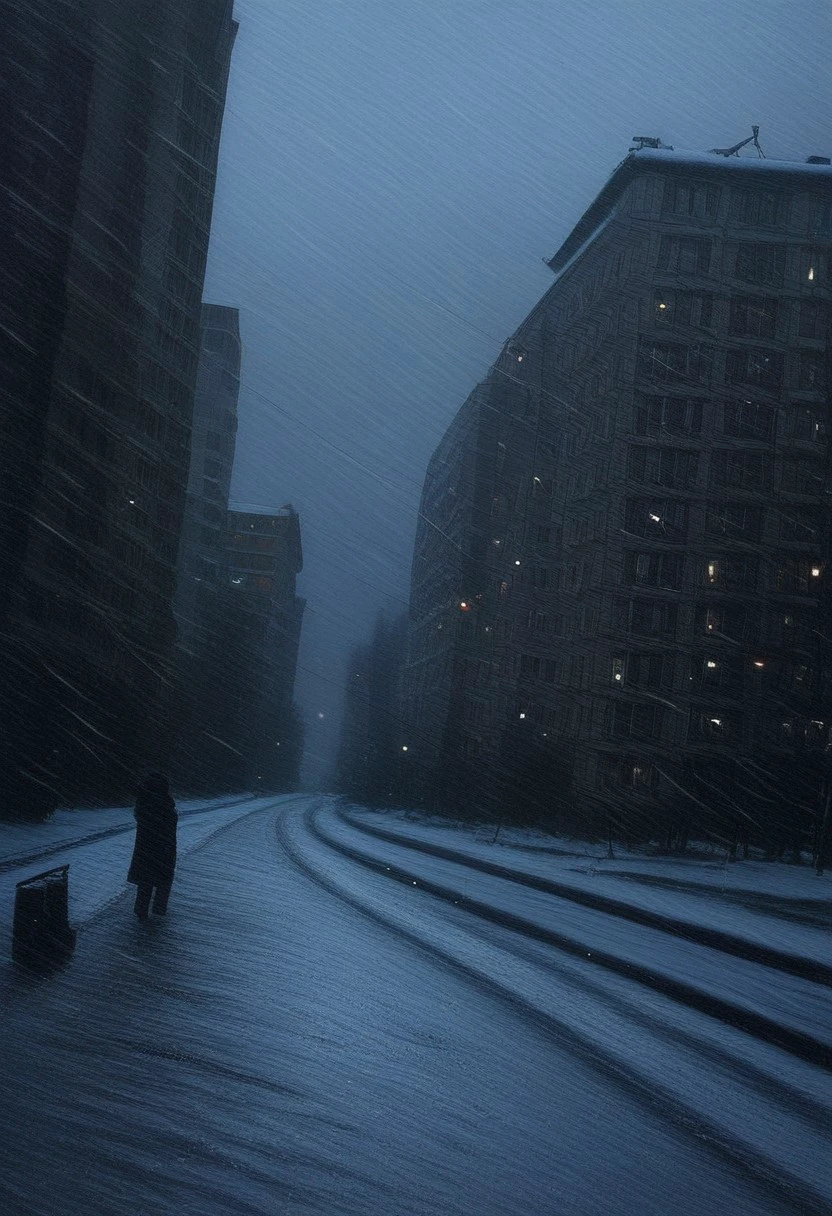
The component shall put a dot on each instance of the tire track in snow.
(312, 852)
(728, 943)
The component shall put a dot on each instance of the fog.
(391, 177)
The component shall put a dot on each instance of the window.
(711, 724)
(801, 526)
(552, 670)
(763, 208)
(734, 520)
(543, 535)
(725, 621)
(714, 672)
(748, 420)
(636, 721)
(763, 264)
(731, 572)
(802, 475)
(763, 368)
(796, 575)
(822, 218)
(680, 308)
(537, 621)
(753, 316)
(538, 576)
(806, 422)
(670, 362)
(653, 671)
(664, 519)
(791, 629)
(690, 199)
(742, 470)
(530, 665)
(670, 415)
(814, 319)
(648, 618)
(685, 254)
(634, 774)
(675, 467)
(811, 370)
(654, 569)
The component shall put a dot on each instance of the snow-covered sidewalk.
(770, 905)
(98, 869)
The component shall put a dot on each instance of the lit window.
(711, 663)
(759, 663)
(713, 572)
(815, 571)
(517, 561)
(618, 671)
(522, 716)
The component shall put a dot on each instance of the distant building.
(202, 550)
(264, 615)
(121, 135)
(371, 765)
(620, 581)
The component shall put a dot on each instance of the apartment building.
(654, 579)
(264, 615)
(103, 421)
(202, 549)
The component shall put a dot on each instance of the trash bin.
(41, 935)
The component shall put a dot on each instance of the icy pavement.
(302, 1035)
(98, 865)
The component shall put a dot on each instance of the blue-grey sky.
(391, 176)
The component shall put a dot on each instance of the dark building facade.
(371, 765)
(263, 616)
(643, 534)
(126, 166)
(202, 550)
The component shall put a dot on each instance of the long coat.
(154, 854)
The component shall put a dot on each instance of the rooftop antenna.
(734, 151)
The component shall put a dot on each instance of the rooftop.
(669, 160)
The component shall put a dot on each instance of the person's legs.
(160, 899)
(142, 905)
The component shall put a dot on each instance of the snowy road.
(310, 1032)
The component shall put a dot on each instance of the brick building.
(642, 497)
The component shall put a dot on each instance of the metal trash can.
(41, 936)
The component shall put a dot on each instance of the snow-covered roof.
(669, 160)
(715, 160)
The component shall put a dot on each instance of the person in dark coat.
(154, 855)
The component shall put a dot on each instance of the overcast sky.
(391, 176)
